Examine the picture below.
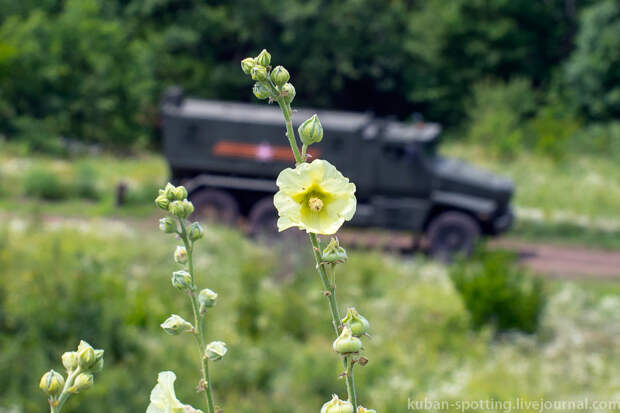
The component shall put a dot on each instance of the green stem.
(286, 111)
(64, 395)
(198, 321)
(351, 382)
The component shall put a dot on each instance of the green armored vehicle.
(229, 154)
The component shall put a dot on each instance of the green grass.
(109, 282)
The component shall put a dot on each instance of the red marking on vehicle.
(262, 152)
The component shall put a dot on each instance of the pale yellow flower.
(314, 197)
(164, 399)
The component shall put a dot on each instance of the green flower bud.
(279, 75)
(263, 58)
(52, 383)
(167, 225)
(335, 405)
(180, 193)
(311, 131)
(177, 209)
(98, 361)
(181, 280)
(162, 202)
(180, 255)
(247, 64)
(82, 382)
(188, 207)
(169, 191)
(70, 360)
(206, 299)
(261, 91)
(334, 253)
(216, 350)
(195, 231)
(86, 355)
(288, 91)
(347, 343)
(358, 324)
(175, 325)
(362, 409)
(259, 73)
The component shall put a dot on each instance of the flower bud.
(195, 231)
(347, 343)
(98, 366)
(311, 131)
(288, 91)
(261, 91)
(247, 64)
(335, 405)
(259, 73)
(358, 324)
(206, 299)
(86, 355)
(362, 409)
(175, 325)
(168, 191)
(52, 383)
(188, 207)
(167, 225)
(279, 75)
(70, 360)
(177, 208)
(180, 255)
(263, 58)
(216, 350)
(83, 381)
(162, 202)
(180, 193)
(334, 253)
(181, 280)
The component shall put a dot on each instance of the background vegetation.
(93, 71)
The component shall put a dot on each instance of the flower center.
(315, 204)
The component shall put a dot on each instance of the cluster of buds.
(174, 200)
(270, 83)
(80, 366)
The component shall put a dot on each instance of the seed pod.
(195, 231)
(181, 280)
(288, 92)
(206, 299)
(167, 225)
(335, 405)
(279, 75)
(334, 253)
(347, 343)
(358, 324)
(52, 383)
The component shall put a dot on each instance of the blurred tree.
(593, 71)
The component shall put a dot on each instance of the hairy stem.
(290, 133)
(351, 382)
(198, 321)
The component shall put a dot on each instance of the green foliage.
(109, 283)
(45, 184)
(498, 293)
(593, 70)
(497, 113)
(85, 182)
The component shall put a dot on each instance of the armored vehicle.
(228, 155)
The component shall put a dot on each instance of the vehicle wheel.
(264, 224)
(450, 234)
(215, 206)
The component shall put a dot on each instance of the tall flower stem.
(199, 334)
(329, 287)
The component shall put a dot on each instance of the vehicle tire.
(264, 225)
(215, 206)
(451, 234)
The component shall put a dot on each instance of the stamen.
(315, 204)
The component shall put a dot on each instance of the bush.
(44, 184)
(85, 183)
(497, 292)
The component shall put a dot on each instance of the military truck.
(228, 155)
